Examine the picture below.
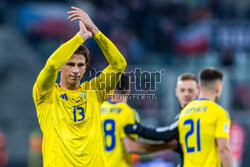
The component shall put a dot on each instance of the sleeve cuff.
(79, 39)
(221, 136)
(96, 36)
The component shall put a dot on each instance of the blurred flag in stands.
(44, 19)
(195, 39)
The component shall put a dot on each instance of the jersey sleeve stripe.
(167, 128)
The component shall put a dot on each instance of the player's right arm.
(224, 152)
(222, 138)
(133, 146)
(48, 75)
(167, 133)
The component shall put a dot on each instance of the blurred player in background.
(186, 91)
(69, 113)
(115, 114)
(35, 149)
(204, 125)
(237, 141)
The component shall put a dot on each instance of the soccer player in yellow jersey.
(186, 91)
(115, 114)
(69, 113)
(204, 125)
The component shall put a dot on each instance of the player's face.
(73, 70)
(186, 91)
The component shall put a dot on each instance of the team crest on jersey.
(226, 127)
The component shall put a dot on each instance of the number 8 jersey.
(200, 123)
(114, 117)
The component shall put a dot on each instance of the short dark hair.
(186, 77)
(83, 50)
(210, 75)
(123, 86)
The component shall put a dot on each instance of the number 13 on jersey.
(193, 125)
(78, 114)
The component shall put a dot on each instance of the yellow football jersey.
(114, 117)
(200, 123)
(70, 119)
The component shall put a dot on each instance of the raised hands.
(85, 23)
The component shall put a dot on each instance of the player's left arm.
(167, 133)
(222, 138)
(117, 63)
(133, 146)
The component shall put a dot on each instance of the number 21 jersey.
(200, 123)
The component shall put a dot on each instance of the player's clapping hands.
(81, 17)
(78, 14)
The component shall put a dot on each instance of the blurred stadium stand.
(175, 35)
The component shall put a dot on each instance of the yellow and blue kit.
(114, 117)
(200, 123)
(70, 119)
